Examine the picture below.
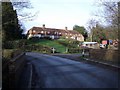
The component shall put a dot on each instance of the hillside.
(51, 43)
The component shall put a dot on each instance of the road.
(45, 71)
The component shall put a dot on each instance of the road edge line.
(102, 63)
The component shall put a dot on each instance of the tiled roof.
(38, 29)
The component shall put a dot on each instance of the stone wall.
(104, 55)
(12, 69)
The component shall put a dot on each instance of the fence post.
(53, 49)
(83, 53)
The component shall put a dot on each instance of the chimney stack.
(66, 28)
(43, 26)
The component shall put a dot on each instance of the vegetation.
(108, 16)
(60, 45)
(110, 13)
(7, 53)
(10, 26)
(54, 44)
(98, 33)
(44, 45)
(81, 30)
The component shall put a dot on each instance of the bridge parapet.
(14, 69)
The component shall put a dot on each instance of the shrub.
(7, 53)
(38, 48)
(7, 45)
(74, 50)
(14, 44)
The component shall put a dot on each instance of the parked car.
(89, 44)
(102, 46)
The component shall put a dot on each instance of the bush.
(15, 44)
(7, 53)
(10, 53)
(63, 42)
(38, 48)
(8, 45)
(69, 43)
(74, 50)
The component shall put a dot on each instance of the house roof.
(38, 29)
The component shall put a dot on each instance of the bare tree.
(20, 6)
(109, 12)
(23, 8)
(91, 25)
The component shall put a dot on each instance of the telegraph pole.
(118, 33)
(119, 25)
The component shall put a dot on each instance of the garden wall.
(105, 55)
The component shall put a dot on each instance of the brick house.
(43, 32)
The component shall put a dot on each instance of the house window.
(55, 32)
(59, 33)
(48, 32)
(30, 31)
(42, 32)
(34, 31)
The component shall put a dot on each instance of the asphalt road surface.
(45, 71)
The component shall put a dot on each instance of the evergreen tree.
(10, 25)
(81, 30)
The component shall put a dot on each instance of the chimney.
(43, 26)
(66, 28)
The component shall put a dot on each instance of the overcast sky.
(61, 13)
